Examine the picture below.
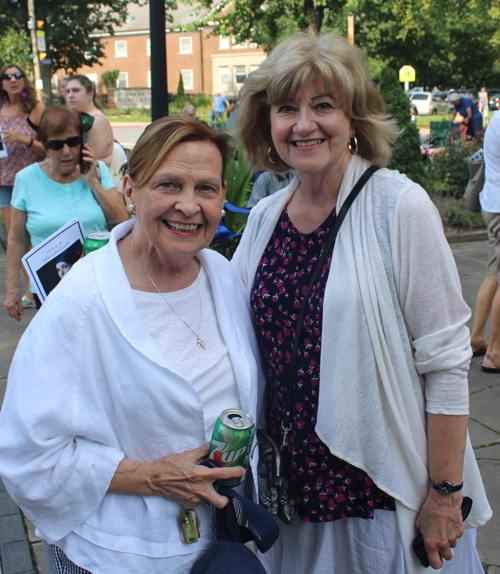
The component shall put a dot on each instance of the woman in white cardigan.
(116, 385)
(380, 397)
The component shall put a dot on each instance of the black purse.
(276, 490)
(229, 555)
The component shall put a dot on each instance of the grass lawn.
(144, 114)
(424, 121)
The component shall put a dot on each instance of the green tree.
(180, 98)
(70, 26)
(110, 78)
(450, 43)
(407, 155)
(15, 48)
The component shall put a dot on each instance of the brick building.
(208, 64)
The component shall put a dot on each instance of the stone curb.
(15, 553)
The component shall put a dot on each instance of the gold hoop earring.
(269, 156)
(353, 145)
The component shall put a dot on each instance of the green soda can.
(231, 442)
(95, 240)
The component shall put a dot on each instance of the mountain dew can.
(231, 442)
(95, 240)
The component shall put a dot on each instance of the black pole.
(159, 87)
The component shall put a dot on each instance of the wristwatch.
(445, 487)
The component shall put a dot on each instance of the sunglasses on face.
(57, 145)
(17, 75)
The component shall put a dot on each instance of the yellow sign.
(407, 74)
(39, 24)
(42, 55)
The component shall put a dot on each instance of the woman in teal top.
(49, 194)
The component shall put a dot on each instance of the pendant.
(200, 342)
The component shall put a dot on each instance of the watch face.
(444, 487)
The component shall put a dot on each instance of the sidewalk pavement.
(484, 428)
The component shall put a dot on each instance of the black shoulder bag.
(276, 491)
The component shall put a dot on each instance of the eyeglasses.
(57, 145)
(17, 75)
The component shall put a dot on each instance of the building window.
(254, 45)
(239, 74)
(187, 79)
(121, 48)
(149, 78)
(122, 81)
(148, 47)
(240, 45)
(223, 42)
(186, 45)
(223, 76)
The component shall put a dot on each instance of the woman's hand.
(440, 522)
(176, 477)
(13, 302)
(10, 136)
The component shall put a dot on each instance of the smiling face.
(179, 208)
(76, 96)
(13, 86)
(311, 130)
(65, 160)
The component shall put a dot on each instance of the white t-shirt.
(490, 196)
(209, 370)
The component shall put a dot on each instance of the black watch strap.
(445, 487)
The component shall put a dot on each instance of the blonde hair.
(289, 67)
(161, 137)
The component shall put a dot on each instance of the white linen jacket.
(88, 386)
(394, 340)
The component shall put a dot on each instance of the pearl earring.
(131, 207)
(223, 213)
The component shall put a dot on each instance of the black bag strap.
(286, 423)
(265, 529)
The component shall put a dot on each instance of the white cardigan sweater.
(88, 386)
(394, 341)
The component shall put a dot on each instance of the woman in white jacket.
(116, 384)
(380, 397)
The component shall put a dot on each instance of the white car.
(430, 103)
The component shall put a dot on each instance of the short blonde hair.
(160, 138)
(345, 73)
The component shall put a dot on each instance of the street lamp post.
(159, 87)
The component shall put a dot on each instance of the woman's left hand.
(440, 522)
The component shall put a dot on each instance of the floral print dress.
(326, 487)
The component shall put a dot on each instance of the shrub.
(407, 153)
(202, 101)
(448, 172)
(110, 78)
(180, 98)
(454, 214)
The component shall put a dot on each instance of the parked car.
(493, 99)
(429, 103)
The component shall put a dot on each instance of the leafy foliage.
(110, 78)
(70, 26)
(450, 43)
(15, 48)
(407, 154)
(238, 176)
(449, 172)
